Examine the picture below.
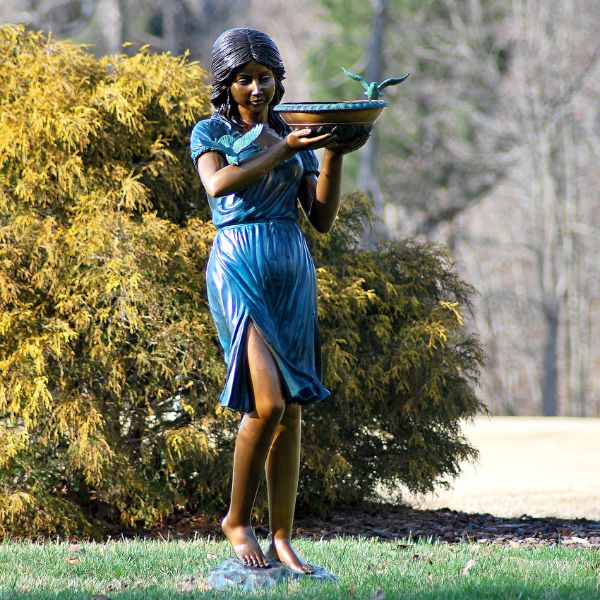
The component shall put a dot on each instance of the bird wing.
(392, 81)
(356, 77)
(227, 141)
(246, 139)
(216, 145)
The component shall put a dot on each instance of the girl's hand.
(298, 140)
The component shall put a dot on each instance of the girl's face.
(253, 89)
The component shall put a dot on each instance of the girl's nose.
(256, 88)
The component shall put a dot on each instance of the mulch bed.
(402, 523)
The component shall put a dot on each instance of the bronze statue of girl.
(261, 279)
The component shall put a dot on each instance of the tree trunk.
(110, 21)
(126, 22)
(169, 26)
(550, 367)
(367, 175)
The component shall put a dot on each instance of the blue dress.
(260, 271)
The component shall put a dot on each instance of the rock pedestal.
(233, 574)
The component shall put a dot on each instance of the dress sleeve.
(208, 130)
(310, 161)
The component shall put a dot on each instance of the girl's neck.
(250, 119)
(247, 125)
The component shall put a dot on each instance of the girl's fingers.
(298, 139)
(300, 133)
(320, 138)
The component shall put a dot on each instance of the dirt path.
(535, 466)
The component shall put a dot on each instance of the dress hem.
(313, 393)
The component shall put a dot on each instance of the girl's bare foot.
(281, 549)
(244, 544)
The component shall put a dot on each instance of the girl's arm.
(220, 179)
(320, 198)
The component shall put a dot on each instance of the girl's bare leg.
(282, 468)
(251, 447)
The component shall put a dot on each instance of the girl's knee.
(271, 411)
(265, 378)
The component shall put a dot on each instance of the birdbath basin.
(351, 122)
(299, 115)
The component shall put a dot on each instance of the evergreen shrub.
(110, 369)
(401, 366)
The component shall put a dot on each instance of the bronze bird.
(373, 89)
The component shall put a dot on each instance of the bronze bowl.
(351, 122)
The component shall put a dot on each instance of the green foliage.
(398, 361)
(110, 370)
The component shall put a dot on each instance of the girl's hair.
(234, 49)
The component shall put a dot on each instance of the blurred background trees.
(534, 237)
(489, 147)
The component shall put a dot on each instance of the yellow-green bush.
(110, 370)
(400, 365)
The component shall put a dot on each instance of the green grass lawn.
(366, 570)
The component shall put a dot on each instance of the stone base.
(232, 573)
